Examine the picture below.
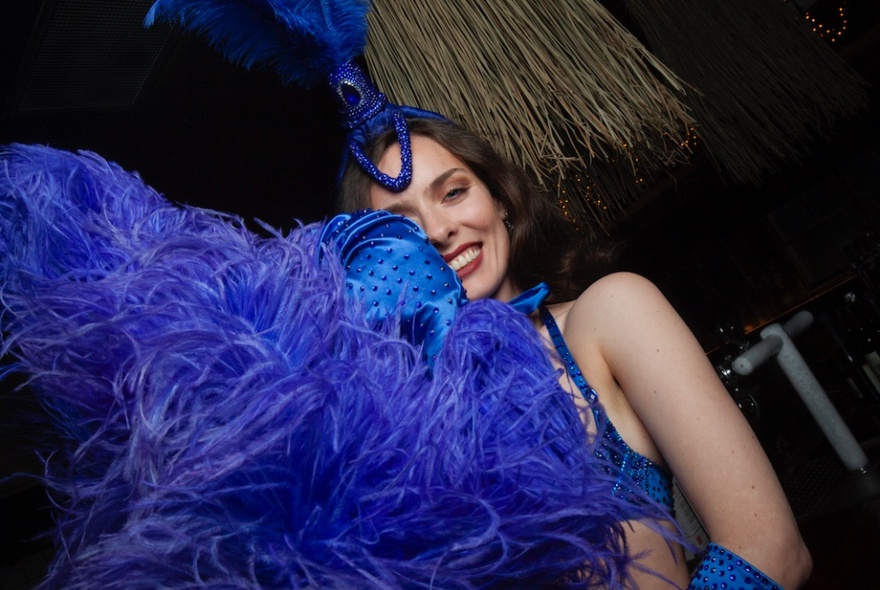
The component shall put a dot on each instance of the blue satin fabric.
(391, 266)
(530, 299)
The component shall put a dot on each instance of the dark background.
(162, 103)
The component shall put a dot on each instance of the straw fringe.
(553, 84)
(766, 82)
(565, 91)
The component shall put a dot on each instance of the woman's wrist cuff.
(722, 568)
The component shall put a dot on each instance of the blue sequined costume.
(653, 479)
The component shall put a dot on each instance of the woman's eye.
(454, 193)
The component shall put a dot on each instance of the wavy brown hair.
(544, 245)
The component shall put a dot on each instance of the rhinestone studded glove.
(393, 268)
(724, 569)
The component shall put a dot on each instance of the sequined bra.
(653, 479)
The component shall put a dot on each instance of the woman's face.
(454, 208)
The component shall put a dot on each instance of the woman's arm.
(647, 349)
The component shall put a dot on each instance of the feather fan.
(228, 418)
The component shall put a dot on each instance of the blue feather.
(233, 420)
(303, 40)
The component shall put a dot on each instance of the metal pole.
(776, 341)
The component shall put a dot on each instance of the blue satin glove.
(393, 268)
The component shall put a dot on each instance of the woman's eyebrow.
(435, 184)
(396, 208)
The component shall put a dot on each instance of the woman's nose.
(438, 227)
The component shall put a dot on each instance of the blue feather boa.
(232, 421)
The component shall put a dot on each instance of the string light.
(690, 140)
(579, 195)
(830, 32)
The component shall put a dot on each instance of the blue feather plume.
(303, 40)
(230, 419)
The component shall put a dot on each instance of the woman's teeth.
(464, 258)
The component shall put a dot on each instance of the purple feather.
(233, 421)
(303, 40)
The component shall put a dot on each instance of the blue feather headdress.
(306, 42)
(303, 40)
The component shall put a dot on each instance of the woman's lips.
(463, 261)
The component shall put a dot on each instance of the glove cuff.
(722, 568)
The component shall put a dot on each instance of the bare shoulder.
(618, 303)
(617, 288)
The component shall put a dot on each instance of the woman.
(653, 380)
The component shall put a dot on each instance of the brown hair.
(544, 245)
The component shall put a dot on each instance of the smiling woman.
(646, 392)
